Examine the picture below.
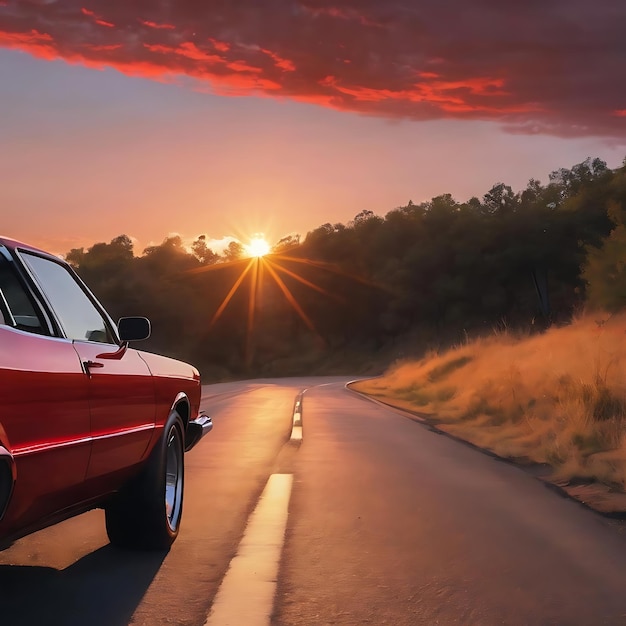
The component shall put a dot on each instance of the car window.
(16, 306)
(76, 312)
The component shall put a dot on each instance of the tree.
(605, 270)
(234, 251)
(500, 199)
(202, 252)
(286, 244)
(75, 257)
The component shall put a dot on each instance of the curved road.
(388, 523)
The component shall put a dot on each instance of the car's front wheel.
(146, 513)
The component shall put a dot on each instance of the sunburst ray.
(290, 298)
(304, 281)
(330, 267)
(232, 292)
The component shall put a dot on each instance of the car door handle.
(92, 364)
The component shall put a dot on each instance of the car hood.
(168, 367)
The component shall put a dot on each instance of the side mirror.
(133, 328)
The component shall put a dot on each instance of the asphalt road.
(388, 523)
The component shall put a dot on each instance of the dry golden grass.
(556, 398)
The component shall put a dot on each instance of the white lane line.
(296, 434)
(296, 429)
(297, 414)
(246, 595)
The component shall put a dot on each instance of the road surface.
(387, 522)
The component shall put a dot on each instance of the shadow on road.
(102, 589)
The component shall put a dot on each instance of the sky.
(230, 118)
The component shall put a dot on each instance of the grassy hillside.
(557, 398)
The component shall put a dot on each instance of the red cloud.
(222, 46)
(284, 64)
(541, 67)
(186, 49)
(342, 13)
(38, 44)
(96, 19)
(157, 26)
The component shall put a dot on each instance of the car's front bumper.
(196, 429)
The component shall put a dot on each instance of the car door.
(44, 407)
(121, 396)
(121, 389)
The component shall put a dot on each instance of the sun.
(258, 247)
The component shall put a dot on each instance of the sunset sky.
(229, 118)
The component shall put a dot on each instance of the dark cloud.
(541, 66)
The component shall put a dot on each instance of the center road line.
(246, 595)
(296, 429)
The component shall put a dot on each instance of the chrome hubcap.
(173, 478)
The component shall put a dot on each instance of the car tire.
(146, 513)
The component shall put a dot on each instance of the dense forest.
(352, 297)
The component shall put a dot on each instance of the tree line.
(350, 295)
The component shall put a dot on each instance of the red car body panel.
(122, 407)
(78, 417)
(45, 418)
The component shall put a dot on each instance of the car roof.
(13, 244)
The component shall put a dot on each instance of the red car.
(85, 420)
